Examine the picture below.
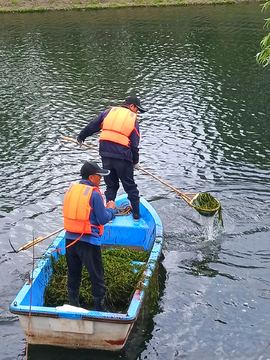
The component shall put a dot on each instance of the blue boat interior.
(124, 231)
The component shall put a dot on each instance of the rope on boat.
(124, 209)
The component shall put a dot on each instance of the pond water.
(207, 129)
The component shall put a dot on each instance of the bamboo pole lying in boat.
(38, 240)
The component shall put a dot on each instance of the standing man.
(118, 148)
(84, 216)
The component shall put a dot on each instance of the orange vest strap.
(118, 125)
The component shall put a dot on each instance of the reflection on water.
(206, 130)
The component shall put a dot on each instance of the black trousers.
(123, 170)
(90, 256)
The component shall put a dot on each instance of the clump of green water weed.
(207, 205)
(121, 279)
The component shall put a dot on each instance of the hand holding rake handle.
(76, 142)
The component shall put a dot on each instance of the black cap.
(92, 168)
(136, 102)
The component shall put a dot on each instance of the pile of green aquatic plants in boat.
(207, 205)
(120, 279)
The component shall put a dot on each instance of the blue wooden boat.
(68, 326)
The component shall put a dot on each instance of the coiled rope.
(124, 209)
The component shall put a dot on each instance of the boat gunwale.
(84, 318)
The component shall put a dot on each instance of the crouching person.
(84, 216)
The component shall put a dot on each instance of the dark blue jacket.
(98, 216)
(110, 149)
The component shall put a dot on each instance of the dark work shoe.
(136, 216)
(136, 209)
(73, 296)
(100, 304)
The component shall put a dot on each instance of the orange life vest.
(118, 125)
(77, 209)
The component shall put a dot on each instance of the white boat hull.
(75, 333)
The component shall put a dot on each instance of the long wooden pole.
(76, 142)
(38, 240)
(184, 196)
(189, 198)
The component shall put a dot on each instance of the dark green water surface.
(207, 129)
